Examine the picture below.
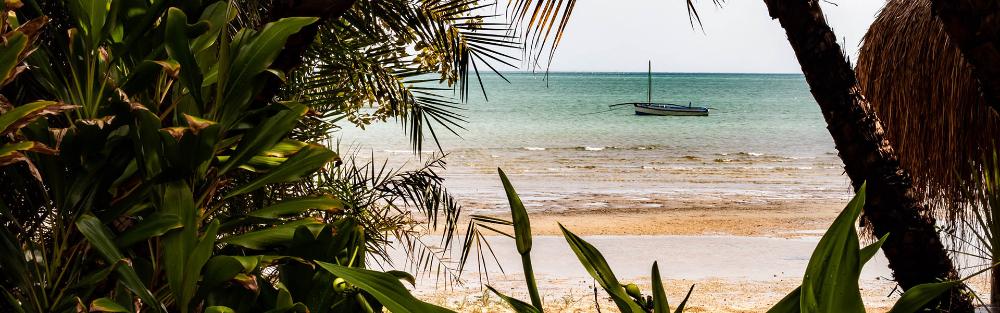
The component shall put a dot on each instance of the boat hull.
(669, 110)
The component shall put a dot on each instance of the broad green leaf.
(218, 16)
(219, 309)
(196, 259)
(517, 305)
(788, 304)
(660, 304)
(522, 225)
(867, 253)
(404, 276)
(145, 132)
(219, 269)
(147, 73)
(831, 279)
(298, 206)
(278, 235)
(155, 225)
(16, 43)
(20, 116)
(917, 297)
(384, 287)
(90, 281)
(179, 48)
(680, 307)
(106, 305)
(254, 53)
(177, 200)
(306, 161)
(522, 238)
(284, 299)
(93, 14)
(197, 148)
(265, 135)
(10, 152)
(100, 240)
(598, 268)
(285, 148)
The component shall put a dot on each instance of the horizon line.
(630, 72)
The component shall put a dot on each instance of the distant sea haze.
(765, 136)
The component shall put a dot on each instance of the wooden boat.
(668, 109)
(665, 109)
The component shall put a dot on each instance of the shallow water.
(765, 138)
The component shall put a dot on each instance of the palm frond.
(398, 59)
(398, 206)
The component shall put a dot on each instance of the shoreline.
(772, 218)
(785, 218)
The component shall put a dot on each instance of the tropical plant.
(627, 297)
(830, 283)
(979, 236)
(398, 208)
(177, 181)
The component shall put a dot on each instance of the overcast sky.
(739, 37)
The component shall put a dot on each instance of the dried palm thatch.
(924, 92)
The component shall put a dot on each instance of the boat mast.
(649, 92)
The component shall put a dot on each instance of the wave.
(407, 151)
(588, 148)
(534, 148)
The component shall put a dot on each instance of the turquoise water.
(753, 113)
(765, 138)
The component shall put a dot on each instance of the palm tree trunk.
(915, 252)
(974, 25)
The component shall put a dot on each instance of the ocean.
(764, 140)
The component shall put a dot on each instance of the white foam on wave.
(406, 151)
(588, 148)
(534, 148)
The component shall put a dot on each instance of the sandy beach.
(730, 273)
(775, 218)
(741, 257)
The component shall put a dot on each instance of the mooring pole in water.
(649, 92)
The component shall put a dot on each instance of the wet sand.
(773, 218)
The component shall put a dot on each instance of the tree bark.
(915, 252)
(974, 26)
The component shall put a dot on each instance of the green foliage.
(830, 283)
(402, 59)
(598, 268)
(177, 185)
(522, 238)
(384, 287)
(627, 298)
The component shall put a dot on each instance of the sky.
(739, 37)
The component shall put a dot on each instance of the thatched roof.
(925, 94)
